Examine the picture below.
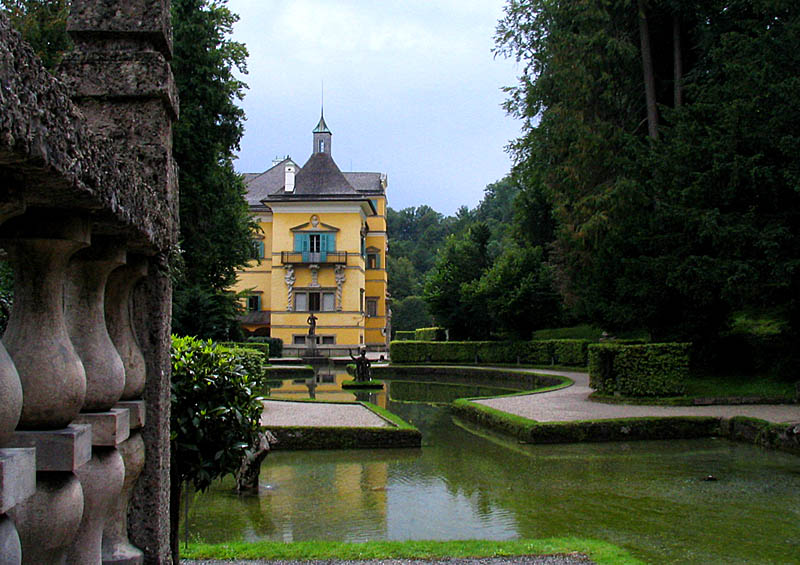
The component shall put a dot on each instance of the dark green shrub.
(404, 335)
(430, 334)
(656, 369)
(215, 411)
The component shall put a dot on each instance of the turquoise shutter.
(260, 249)
(323, 247)
(298, 242)
(377, 260)
(331, 242)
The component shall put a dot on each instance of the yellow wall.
(350, 326)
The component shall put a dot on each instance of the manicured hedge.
(404, 335)
(572, 352)
(655, 369)
(430, 334)
(262, 347)
(275, 344)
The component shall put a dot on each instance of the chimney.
(289, 184)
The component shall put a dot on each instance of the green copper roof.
(322, 127)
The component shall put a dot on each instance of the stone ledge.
(57, 450)
(17, 476)
(109, 429)
(137, 410)
(49, 153)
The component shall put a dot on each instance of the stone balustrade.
(88, 217)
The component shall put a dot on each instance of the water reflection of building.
(354, 505)
(327, 386)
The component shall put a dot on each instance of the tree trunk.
(175, 513)
(677, 61)
(649, 75)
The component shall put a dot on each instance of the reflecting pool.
(649, 497)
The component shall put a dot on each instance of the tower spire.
(322, 135)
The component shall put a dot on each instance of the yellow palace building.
(321, 250)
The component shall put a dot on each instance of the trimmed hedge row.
(405, 335)
(655, 369)
(275, 344)
(571, 352)
(263, 348)
(430, 334)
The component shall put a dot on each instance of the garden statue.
(362, 366)
(312, 324)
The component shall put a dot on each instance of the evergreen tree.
(43, 24)
(216, 228)
(667, 219)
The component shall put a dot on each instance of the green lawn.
(600, 552)
(725, 385)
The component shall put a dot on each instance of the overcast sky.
(411, 89)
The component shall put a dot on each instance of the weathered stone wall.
(88, 217)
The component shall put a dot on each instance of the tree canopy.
(216, 228)
(663, 134)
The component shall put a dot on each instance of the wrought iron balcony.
(324, 257)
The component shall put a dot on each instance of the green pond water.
(649, 497)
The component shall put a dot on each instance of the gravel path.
(573, 404)
(571, 559)
(319, 414)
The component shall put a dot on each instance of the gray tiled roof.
(365, 182)
(260, 185)
(318, 177)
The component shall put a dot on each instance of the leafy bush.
(401, 335)
(253, 360)
(564, 352)
(215, 412)
(656, 369)
(430, 334)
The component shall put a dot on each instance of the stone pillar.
(40, 244)
(84, 305)
(17, 483)
(101, 479)
(120, 77)
(118, 319)
(117, 550)
(148, 514)
(11, 204)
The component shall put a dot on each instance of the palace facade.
(321, 251)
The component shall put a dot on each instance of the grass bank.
(600, 552)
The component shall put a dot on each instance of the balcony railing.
(326, 257)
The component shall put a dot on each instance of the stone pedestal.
(118, 319)
(39, 244)
(47, 521)
(84, 304)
